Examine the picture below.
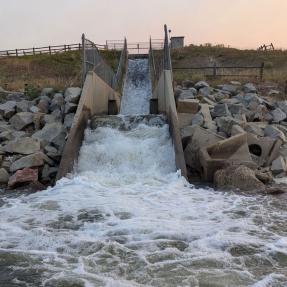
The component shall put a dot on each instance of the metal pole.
(84, 67)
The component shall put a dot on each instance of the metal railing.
(159, 60)
(93, 61)
(135, 47)
(122, 63)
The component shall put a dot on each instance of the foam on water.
(137, 88)
(127, 218)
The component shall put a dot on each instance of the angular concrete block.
(187, 106)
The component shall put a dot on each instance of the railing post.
(262, 71)
(33, 51)
(84, 67)
(166, 58)
(214, 70)
(50, 50)
(16, 52)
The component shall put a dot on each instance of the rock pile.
(33, 135)
(232, 125)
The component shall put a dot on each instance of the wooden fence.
(44, 50)
(216, 71)
(266, 47)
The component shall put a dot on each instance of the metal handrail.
(93, 61)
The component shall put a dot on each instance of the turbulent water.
(127, 218)
(137, 88)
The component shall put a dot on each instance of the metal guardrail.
(93, 61)
(159, 60)
(135, 47)
(122, 63)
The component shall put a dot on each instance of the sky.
(238, 23)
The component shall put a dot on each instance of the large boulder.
(23, 106)
(48, 92)
(221, 110)
(33, 160)
(8, 109)
(51, 133)
(279, 166)
(225, 124)
(274, 133)
(68, 121)
(4, 176)
(23, 146)
(278, 115)
(21, 120)
(25, 175)
(72, 95)
(201, 84)
(58, 102)
(250, 88)
(239, 177)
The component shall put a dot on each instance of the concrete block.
(231, 151)
(187, 106)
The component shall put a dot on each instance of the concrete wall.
(166, 105)
(94, 100)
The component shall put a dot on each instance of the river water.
(127, 218)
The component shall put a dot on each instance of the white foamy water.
(137, 88)
(127, 218)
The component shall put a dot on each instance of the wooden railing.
(216, 71)
(44, 50)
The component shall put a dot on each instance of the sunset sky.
(238, 23)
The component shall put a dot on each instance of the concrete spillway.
(127, 218)
(137, 88)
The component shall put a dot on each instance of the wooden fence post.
(33, 51)
(16, 52)
(262, 71)
(50, 50)
(214, 70)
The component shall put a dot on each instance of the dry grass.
(194, 56)
(58, 71)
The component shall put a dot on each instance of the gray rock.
(4, 176)
(72, 95)
(48, 119)
(70, 108)
(23, 106)
(58, 102)
(8, 109)
(225, 124)
(21, 120)
(273, 132)
(177, 92)
(205, 91)
(68, 121)
(235, 109)
(221, 96)
(197, 120)
(187, 84)
(32, 160)
(23, 146)
(278, 166)
(187, 94)
(232, 89)
(278, 115)
(34, 109)
(11, 135)
(201, 84)
(48, 92)
(51, 133)
(240, 177)
(43, 106)
(273, 93)
(250, 88)
(49, 173)
(221, 110)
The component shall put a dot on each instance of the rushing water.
(137, 88)
(127, 218)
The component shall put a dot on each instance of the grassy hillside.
(275, 62)
(58, 71)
